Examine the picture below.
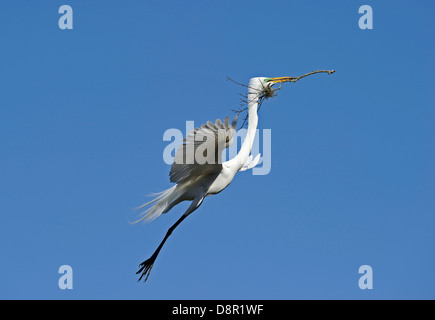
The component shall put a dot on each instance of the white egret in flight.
(198, 170)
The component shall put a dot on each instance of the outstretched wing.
(201, 151)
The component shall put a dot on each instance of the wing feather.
(201, 150)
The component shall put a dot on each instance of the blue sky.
(83, 113)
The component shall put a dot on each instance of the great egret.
(198, 170)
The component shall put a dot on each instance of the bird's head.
(264, 87)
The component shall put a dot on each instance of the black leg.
(147, 265)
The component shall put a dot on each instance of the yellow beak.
(281, 79)
(294, 79)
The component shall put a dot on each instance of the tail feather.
(158, 205)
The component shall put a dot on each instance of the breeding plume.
(198, 170)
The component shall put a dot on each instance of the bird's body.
(198, 171)
(196, 179)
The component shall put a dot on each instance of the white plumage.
(198, 170)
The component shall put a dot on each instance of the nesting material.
(269, 92)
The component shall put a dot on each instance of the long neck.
(243, 155)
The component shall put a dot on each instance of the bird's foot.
(145, 268)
